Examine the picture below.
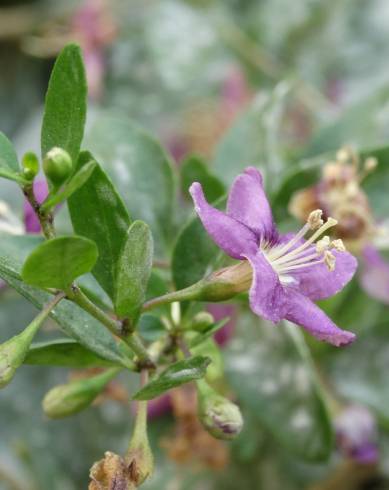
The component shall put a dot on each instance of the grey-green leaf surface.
(175, 375)
(77, 181)
(270, 370)
(133, 271)
(140, 169)
(194, 169)
(57, 262)
(254, 139)
(74, 321)
(193, 254)
(65, 353)
(98, 213)
(65, 104)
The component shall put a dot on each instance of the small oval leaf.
(133, 271)
(175, 375)
(57, 262)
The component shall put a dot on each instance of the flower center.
(294, 256)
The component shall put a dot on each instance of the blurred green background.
(267, 82)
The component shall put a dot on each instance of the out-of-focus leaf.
(194, 169)
(65, 353)
(133, 271)
(140, 169)
(270, 369)
(254, 140)
(57, 262)
(175, 375)
(65, 104)
(98, 213)
(359, 372)
(151, 328)
(74, 321)
(361, 125)
(9, 165)
(70, 187)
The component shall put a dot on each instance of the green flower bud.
(139, 458)
(13, 352)
(219, 416)
(30, 165)
(57, 166)
(202, 321)
(72, 397)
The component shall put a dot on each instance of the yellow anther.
(338, 245)
(329, 260)
(323, 244)
(314, 219)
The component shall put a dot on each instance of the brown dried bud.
(111, 473)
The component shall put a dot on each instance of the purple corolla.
(285, 273)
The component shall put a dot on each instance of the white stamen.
(338, 245)
(314, 219)
(323, 244)
(329, 260)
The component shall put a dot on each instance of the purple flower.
(30, 219)
(356, 434)
(288, 272)
(375, 274)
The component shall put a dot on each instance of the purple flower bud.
(356, 434)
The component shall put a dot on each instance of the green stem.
(187, 294)
(133, 341)
(45, 218)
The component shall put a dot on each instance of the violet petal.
(267, 296)
(317, 282)
(306, 314)
(248, 204)
(231, 236)
(30, 219)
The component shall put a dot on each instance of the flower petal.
(247, 203)
(231, 236)
(375, 274)
(267, 296)
(303, 312)
(317, 282)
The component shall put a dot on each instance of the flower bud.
(219, 416)
(72, 397)
(30, 165)
(13, 352)
(57, 166)
(201, 321)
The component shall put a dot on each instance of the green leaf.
(193, 253)
(65, 104)
(9, 165)
(140, 169)
(360, 124)
(271, 372)
(65, 353)
(57, 262)
(133, 271)
(98, 213)
(74, 321)
(77, 181)
(175, 375)
(194, 169)
(254, 139)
